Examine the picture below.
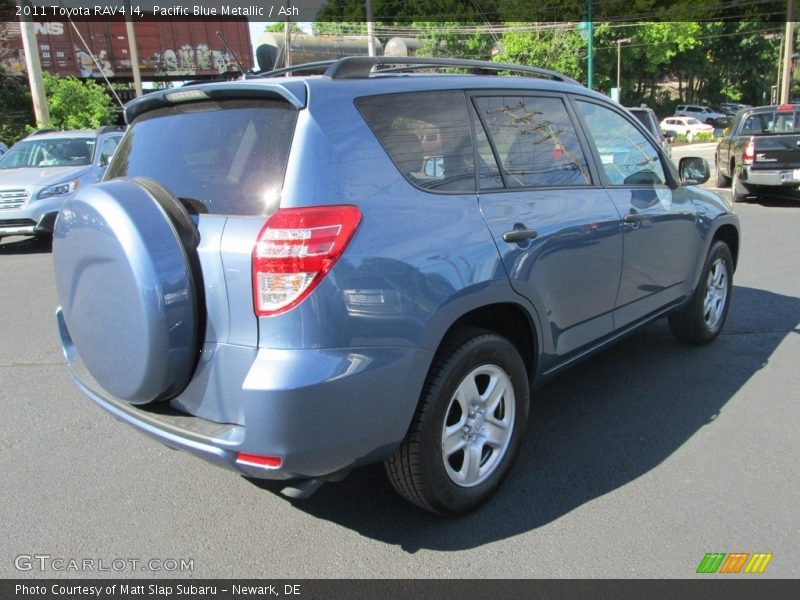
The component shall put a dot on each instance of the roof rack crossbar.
(361, 67)
(310, 66)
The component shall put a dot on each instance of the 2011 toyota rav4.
(280, 276)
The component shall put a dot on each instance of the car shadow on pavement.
(26, 245)
(776, 202)
(593, 429)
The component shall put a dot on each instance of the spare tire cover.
(126, 289)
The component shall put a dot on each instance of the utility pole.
(287, 39)
(590, 57)
(775, 96)
(619, 66)
(34, 66)
(586, 29)
(134, 52)
(788, 52)
(370, 30)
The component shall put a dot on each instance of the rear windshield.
(227, 157)
(771, 122)
(644, 119)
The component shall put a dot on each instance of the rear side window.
(226, 157)
(427, 136)
(535, 141)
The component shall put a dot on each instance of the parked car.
(761, 153)
(685, 126)
(46, 168)
(704, 114)
(649, 119)
(274, 276)
(731, 108)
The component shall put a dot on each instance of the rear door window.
(534, 140)
(427, 136)
(227, 157)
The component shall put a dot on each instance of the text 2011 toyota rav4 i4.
(291, 277)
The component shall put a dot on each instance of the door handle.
(634, 218)
(519, 235)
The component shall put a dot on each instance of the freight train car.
(168, 50)
(311, 48)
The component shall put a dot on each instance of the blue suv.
(293, 276)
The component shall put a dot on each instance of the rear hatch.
(223, 157)
(776, 139)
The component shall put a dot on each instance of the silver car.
(39, 173)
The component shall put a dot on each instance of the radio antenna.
(233, 54)
(94, 58)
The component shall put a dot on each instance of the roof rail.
(361, 67)
(311, 66)
(44, 130)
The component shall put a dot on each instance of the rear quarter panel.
(418, 261)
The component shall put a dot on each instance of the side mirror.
(693, 170)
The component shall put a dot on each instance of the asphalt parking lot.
(637, 462)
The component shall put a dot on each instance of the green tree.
(76, 104)
(558, 47)
(280, 27)
(16, 109)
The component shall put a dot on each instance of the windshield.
(51, 152)
(693, 121)
(227, 157)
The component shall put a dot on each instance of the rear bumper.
(789, 178)
(320, 411)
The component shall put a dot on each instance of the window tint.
(535, 141)
(489, 177)
(226, 157)
(427, 136)
(627, 155)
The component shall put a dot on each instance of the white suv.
(702, 113)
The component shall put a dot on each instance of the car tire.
(700, 321)
(739, 190)
(468, 426)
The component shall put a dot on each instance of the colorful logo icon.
(720, 562)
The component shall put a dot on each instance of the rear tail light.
(295, 250)
(749, 152)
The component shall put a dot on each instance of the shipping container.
(168, 50)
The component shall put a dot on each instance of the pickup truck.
(760, 155)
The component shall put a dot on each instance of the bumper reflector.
(254, 460)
